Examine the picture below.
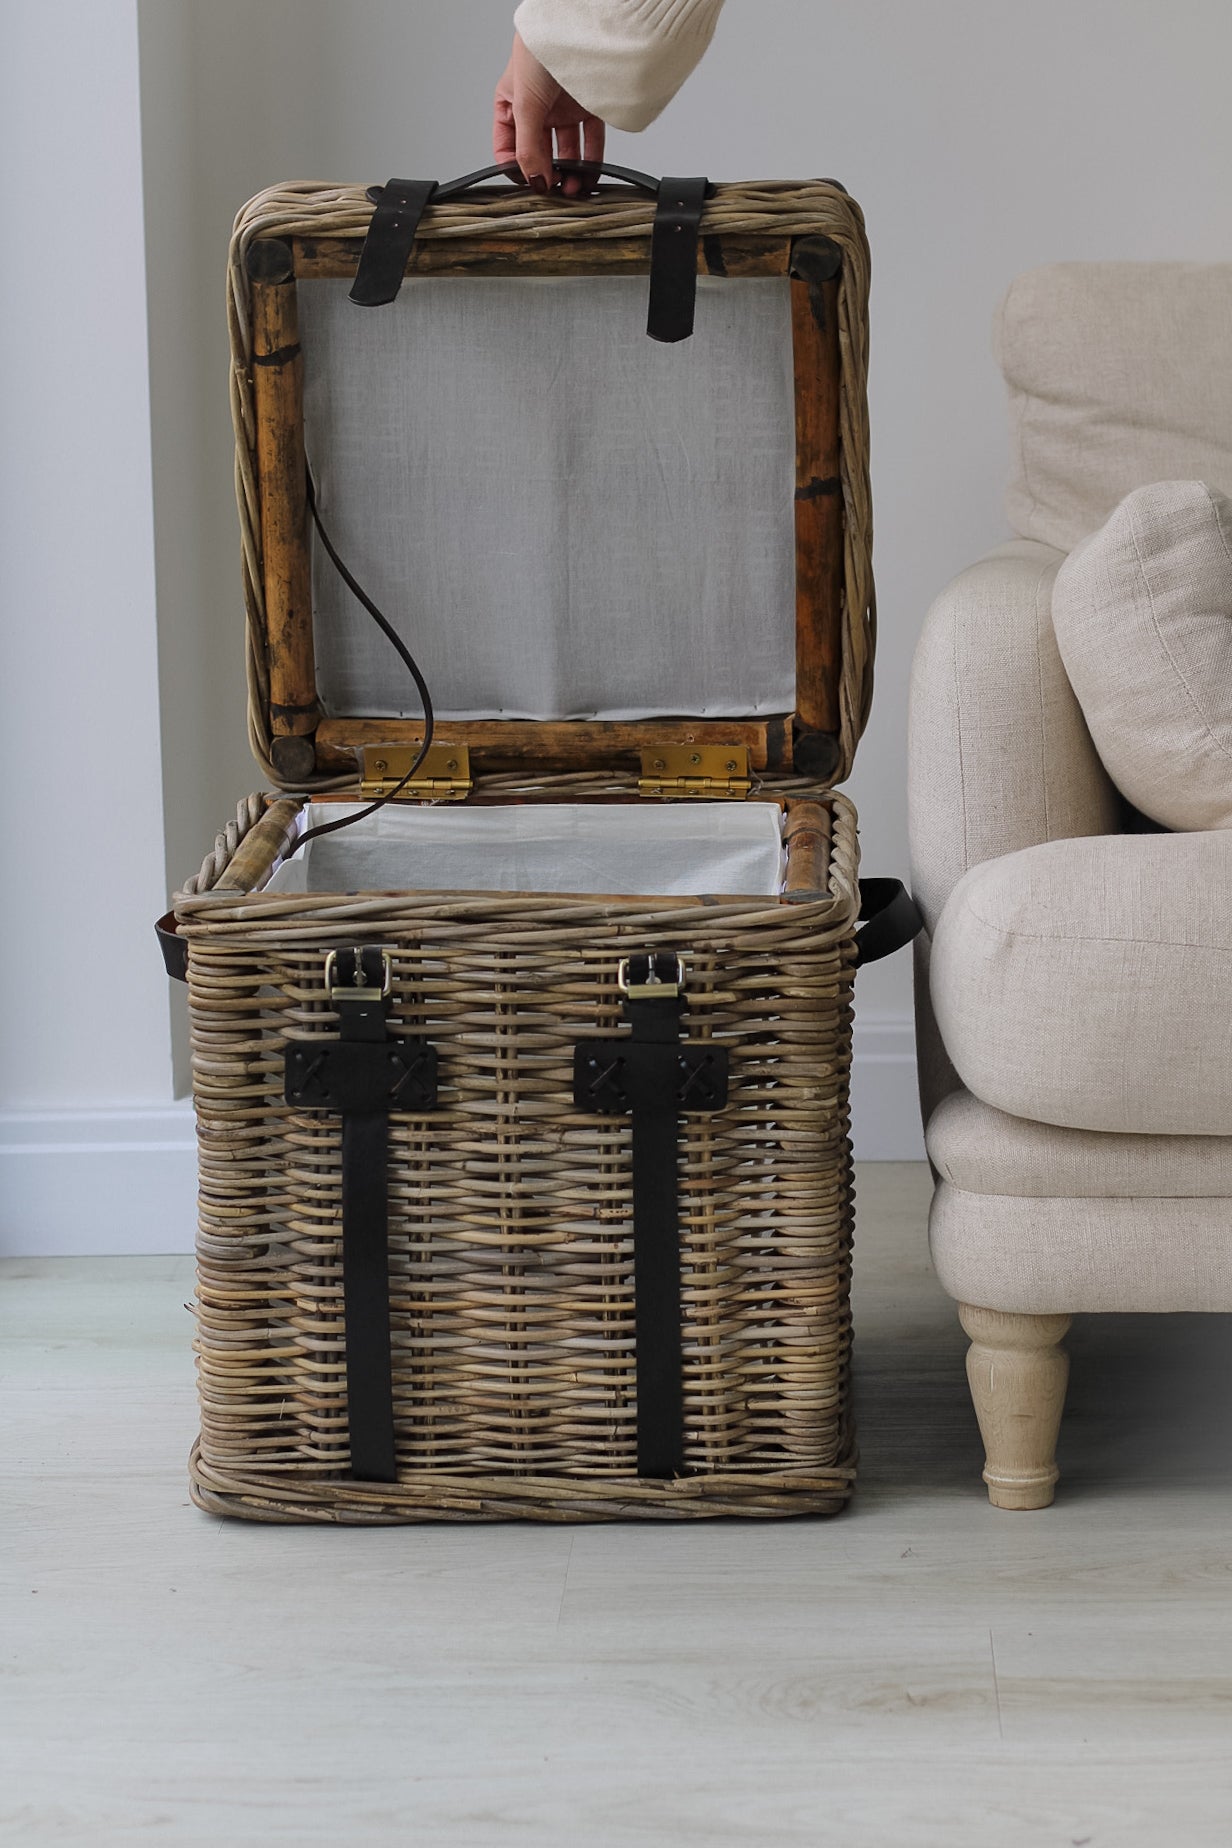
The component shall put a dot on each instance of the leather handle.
(400, 204)
(173, 946)
(890, 916)
(509, 170)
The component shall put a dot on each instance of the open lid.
(599, 547)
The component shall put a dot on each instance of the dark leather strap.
(652, 1076)
(364, 1074)
(656, 1244)
(173, 947)
(387, 247)
(673, 258)
(890, 916)
(365, 1287)
(363, 1011)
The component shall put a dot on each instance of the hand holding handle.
(400, 204)
(590, 170)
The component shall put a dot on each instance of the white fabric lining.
(691, 849)
(564, 519)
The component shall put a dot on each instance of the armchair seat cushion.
(1082, 1256)
(979, 1150)
(1088, 983)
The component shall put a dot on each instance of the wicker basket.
(512, 1308)
(510, 1212)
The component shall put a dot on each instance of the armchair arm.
(999, 754)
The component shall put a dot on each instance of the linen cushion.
(984, 1151)
(1119, 374)
(1073, 1256)
(1143, 617)
(1088, 983)
(999, 753)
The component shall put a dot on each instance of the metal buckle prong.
(333, 988)
(654, 988)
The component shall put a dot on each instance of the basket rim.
(200, 912)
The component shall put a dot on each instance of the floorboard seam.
(565, 1584)
(996, 1685)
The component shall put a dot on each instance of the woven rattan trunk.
(509, 1233)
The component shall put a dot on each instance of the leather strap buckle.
(360, 977)
(650, 978)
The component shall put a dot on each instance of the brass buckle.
(655, 988)
(357, 987)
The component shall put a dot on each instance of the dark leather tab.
(173, 947)
(610, 1076)
(387, 247)
(396, 1074)
(673, 258)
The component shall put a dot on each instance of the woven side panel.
(779, 208)
(510, 1212)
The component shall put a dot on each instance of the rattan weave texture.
(510, 1212)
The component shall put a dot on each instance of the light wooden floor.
(921, 1671)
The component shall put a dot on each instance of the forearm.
(623, 60)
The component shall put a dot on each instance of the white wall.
(83, 1018)
(981, 136)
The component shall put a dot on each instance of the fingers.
(569, 147)
(596, 138)
(534, 92)
(504, 139)
(528, 105)
(533, 144)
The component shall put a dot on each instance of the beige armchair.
(1074, 979)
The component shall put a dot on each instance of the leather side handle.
(890, 916)
(509, 170)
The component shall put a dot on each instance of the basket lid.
(595, 544)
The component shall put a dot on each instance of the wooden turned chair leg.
(1017, 1371)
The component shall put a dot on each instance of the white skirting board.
(98, 1182)
(112, 1182)
(885, 1101)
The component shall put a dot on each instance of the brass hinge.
(712, 772)
(443, 776)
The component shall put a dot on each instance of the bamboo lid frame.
(812, 232)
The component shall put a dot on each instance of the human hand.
(529, 105)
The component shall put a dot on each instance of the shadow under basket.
(513, 1322)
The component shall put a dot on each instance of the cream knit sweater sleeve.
(624, 60)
